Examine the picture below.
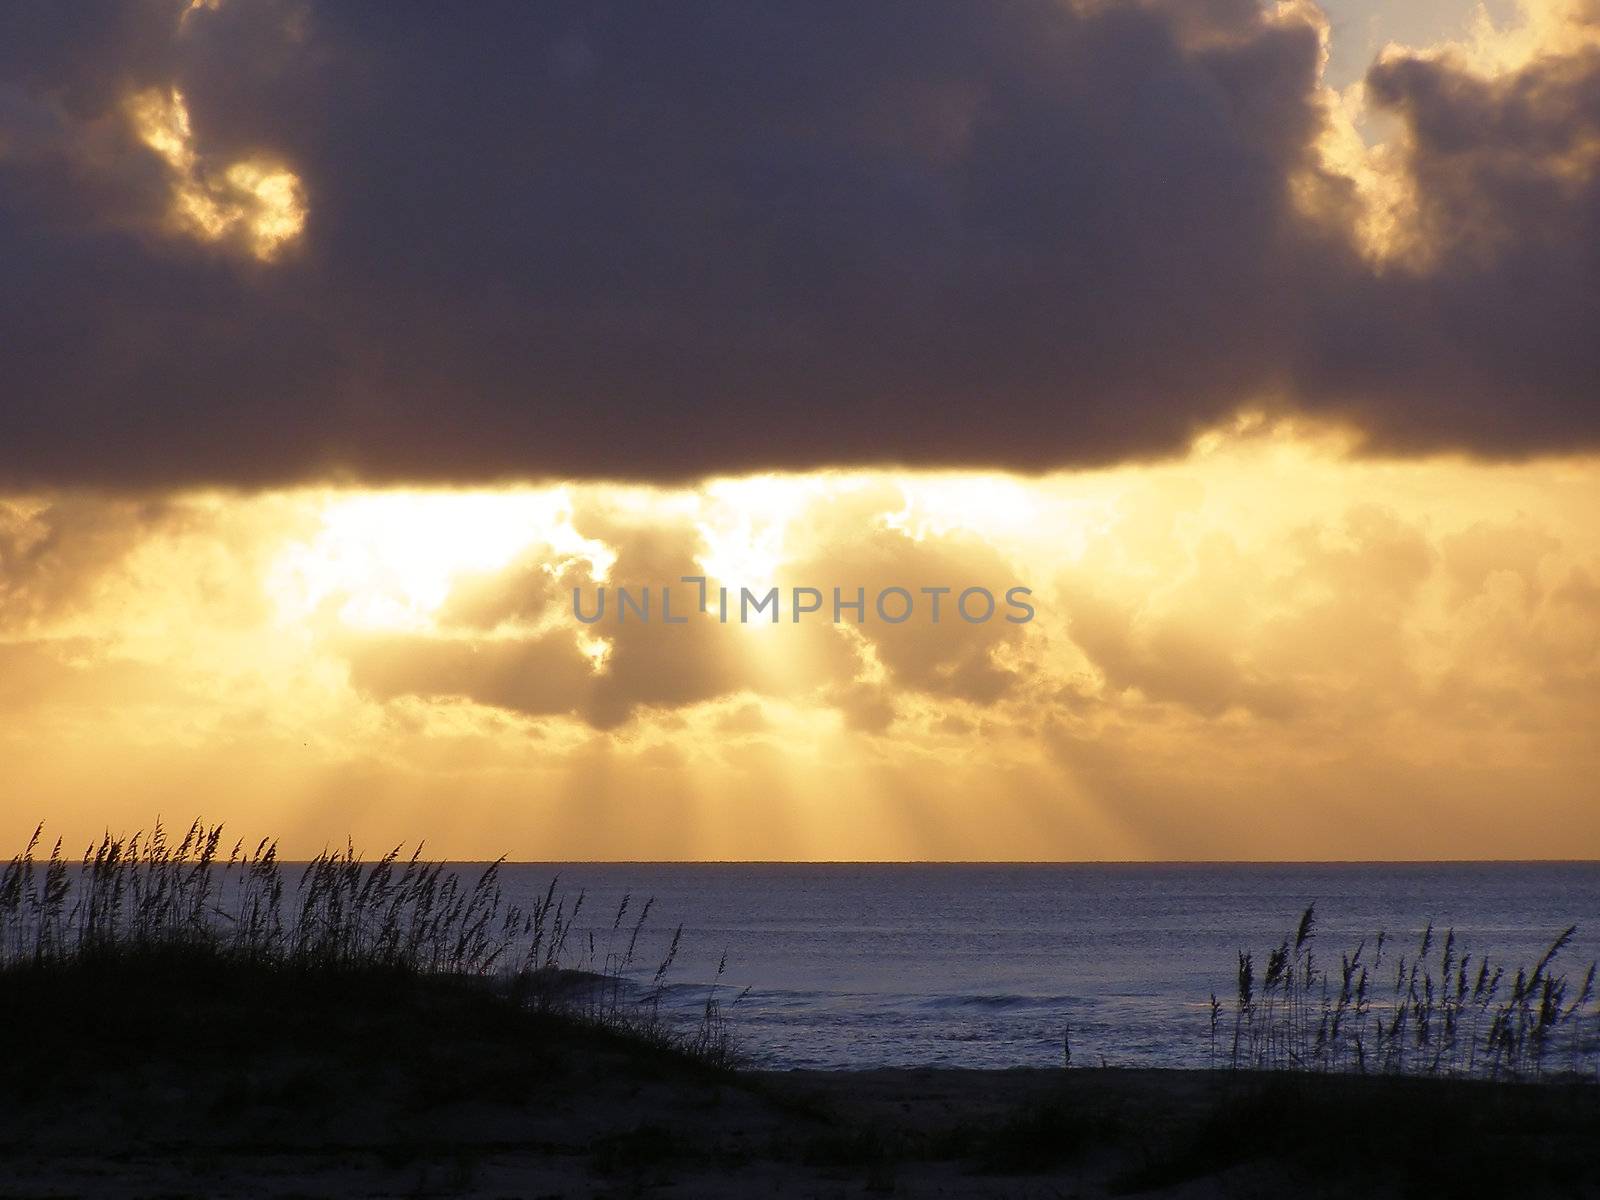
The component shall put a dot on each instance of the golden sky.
(1257, 340)
(1265, 649)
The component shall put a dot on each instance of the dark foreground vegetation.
(1435, 1008)
(140, 901)
(185, 1073)
(176, 1021)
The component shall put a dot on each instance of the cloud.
(509, 639)
(952, 656)
(537, 676)
(251, 243)
(1473, 335)
(1259, 649)
(53, 554)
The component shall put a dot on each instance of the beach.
(226, 1083)
(718, 600)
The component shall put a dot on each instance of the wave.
(1006, 1000)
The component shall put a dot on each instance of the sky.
(1359, 30)
(1256, 341)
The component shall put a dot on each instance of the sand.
(225, 1088)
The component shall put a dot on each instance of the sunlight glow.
(1265, 614)
(744, 524)
(391, 558)
(262, 202)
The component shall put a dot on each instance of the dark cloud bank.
(658, 240)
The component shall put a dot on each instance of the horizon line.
(1008, 862)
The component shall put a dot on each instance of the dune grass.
(364, 1022)
(143, 901)
(1438, 1010)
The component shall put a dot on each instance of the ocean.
(852, 965)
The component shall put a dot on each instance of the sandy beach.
(405, 1087)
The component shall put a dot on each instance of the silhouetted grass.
(140, 903)
(168, 995)
(1443, 1011)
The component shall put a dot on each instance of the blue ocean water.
(852, 965)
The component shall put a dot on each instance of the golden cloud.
(260, 204)
(1265, 649)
